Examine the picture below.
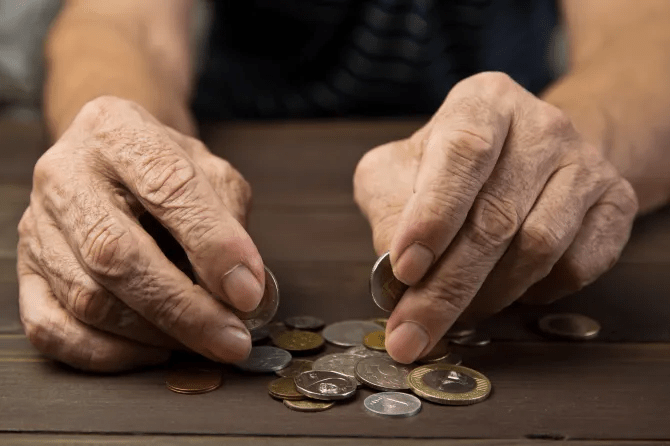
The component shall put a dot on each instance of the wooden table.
(615, 390)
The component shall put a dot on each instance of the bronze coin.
(284, 389)
(375, 340)
(298, 340)
(309, 405)
(295, 368)
(193, 381)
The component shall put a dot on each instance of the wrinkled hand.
(95, 290)
(496, 198)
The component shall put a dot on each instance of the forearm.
(89, 56)
(620, 100)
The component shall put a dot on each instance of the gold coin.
(295, 368)
(284, 389)
(298, 340)
(381, 321)
(438, 353)
(375, 340)
(309, 405)
(193, 381)
(449, 384)
(576, 327)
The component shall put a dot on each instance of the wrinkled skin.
(95, 290)
(496, 199)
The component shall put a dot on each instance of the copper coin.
(309, 405)
(298, 340)
(284, 389)
(295, 368)
(573, 326)
(193, 381)
(375, 340)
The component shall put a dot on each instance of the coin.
(309, 405)
(437, 354)
(476, 339)
(265, 359)
(193, 381)
(266, 309)
(573, 326)
(449, 384)
(363, 352)
(375, 340)
(304, 322)
(348, 333)
(259, 334)
(383, 373)
(386, 290)
(451, 358)
(298, 341)
(459, 332)
(276, 327)
(295, 368)
(381, 321)
(393, 404)
(338, 362)
(284, 389)
(325, 385)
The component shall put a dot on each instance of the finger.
(466, 138)
(595, 249)
(543, 238)
(59, 336)
(118, 254)
(171, 186)
(84, 298)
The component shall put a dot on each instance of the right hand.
(95, 289)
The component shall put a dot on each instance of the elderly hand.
(95, 289)
(497, 198)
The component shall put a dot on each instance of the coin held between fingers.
(242, 288)
(407, 341)
(413, 264)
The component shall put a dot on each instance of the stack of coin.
(193, 380)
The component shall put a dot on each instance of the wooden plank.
(541, 390)
(207, 440)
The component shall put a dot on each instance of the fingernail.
(407, 342)
(413, 264)
(242, 288)
(232, 344)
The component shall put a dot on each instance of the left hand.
(497, 198)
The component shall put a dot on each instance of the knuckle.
(493, 221)
(106, 249)
(627, 198)
(540, 243)
(553, 122)
(91, 305)
(167, 179)
(40, 335)
(494, 83)
(452, 296)
(171, 314)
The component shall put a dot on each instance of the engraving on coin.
(393, 404)
(337, 362)
(375, 340)
(383, 373)
(325, 385)
(386, 290)
(265, 359)
(449, 384)
(573, 326)
(284, 389)
(348, 333)
(308, 405)
(295, 368)
(363, 352)
(266, 309)
(298, 340)
(304, 323)
(192, 381)
(449, 381)
(476, 339)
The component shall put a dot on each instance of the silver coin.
(337, 362)
(459, 332)
(385, 289)
(449, 381)
(325, 385)
(452, 358)
(348, 333)
(393, 404)
(477, 339)
(383, 373)
(259, 334)
(576, 327)
(265, 359)
(363, 352)
(266, 309)
(304, 322)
